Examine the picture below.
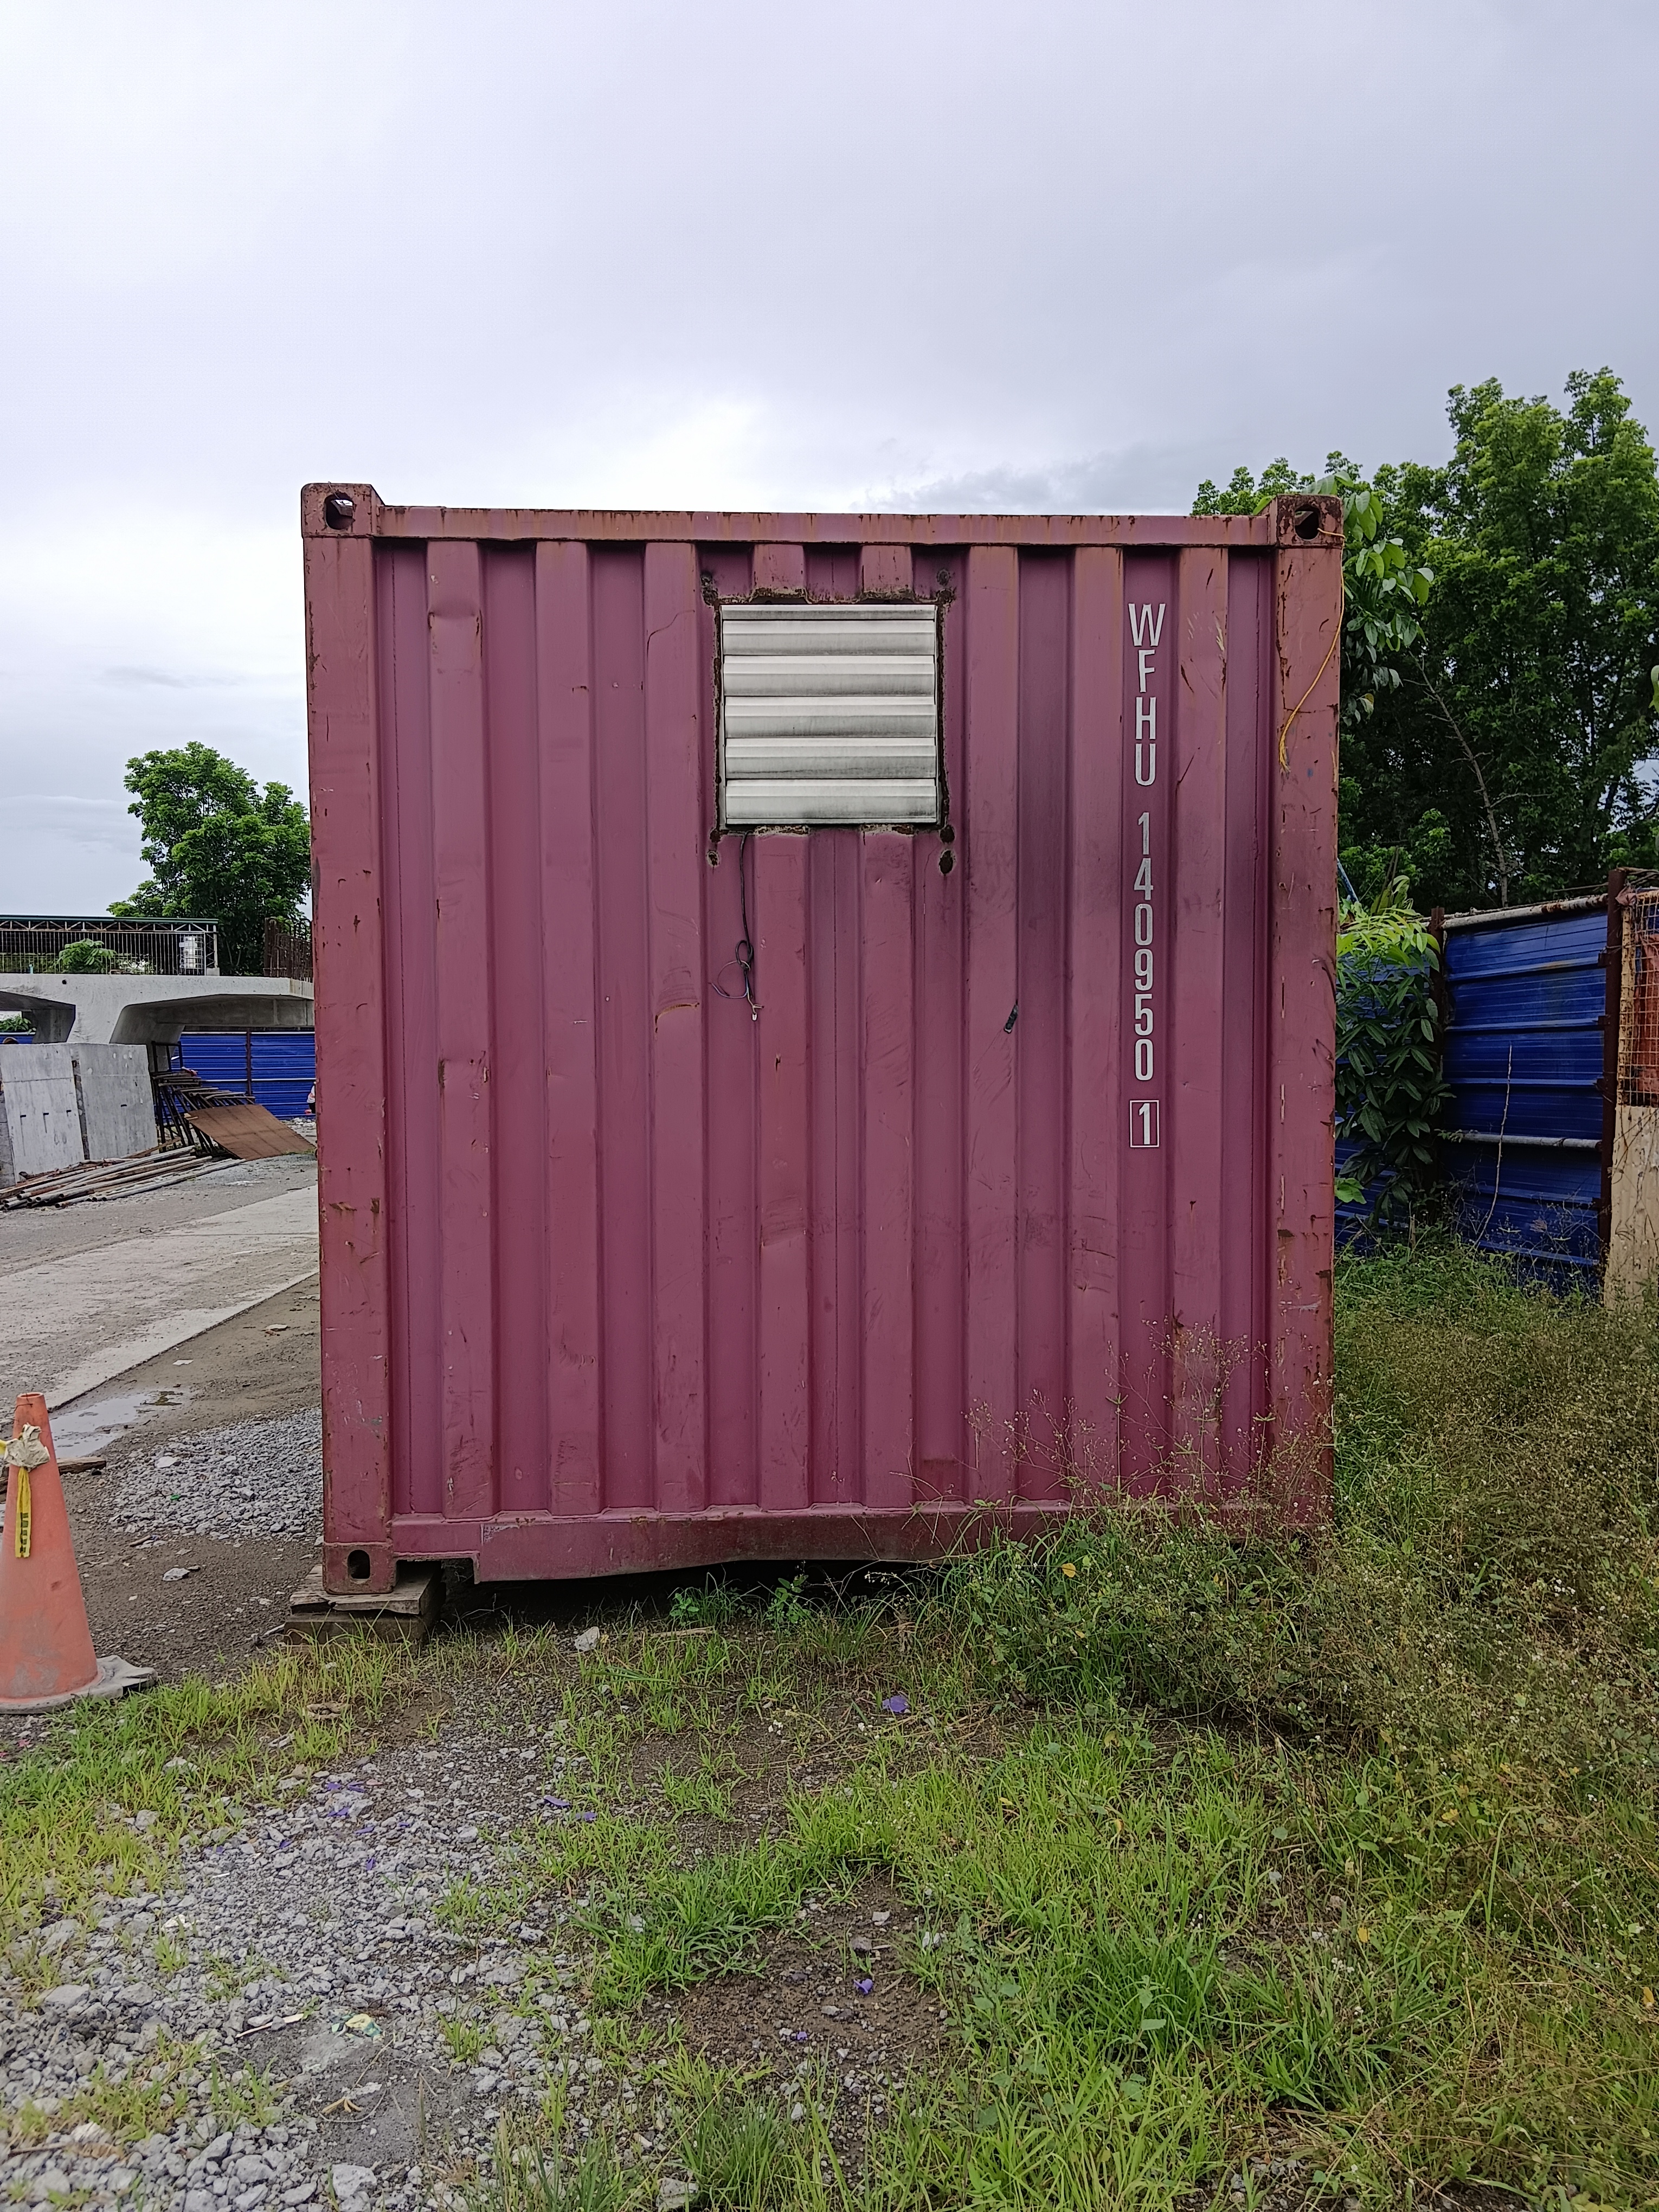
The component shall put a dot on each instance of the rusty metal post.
(1442, 998)
(1442, 990)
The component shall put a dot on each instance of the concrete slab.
(40, 1120)
(61, 1104)
(118, 1110)
(73, 1323)
(49, 1232)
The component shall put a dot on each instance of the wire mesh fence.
(44, 944)
(1638, 1021)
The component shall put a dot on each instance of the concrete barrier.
(61, 1104)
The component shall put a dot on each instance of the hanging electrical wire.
(742, 956)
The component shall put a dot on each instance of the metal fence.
(276, 1068)
(37, 944)
(287, 950)
(1631, 1207)
(1638, 1023)
(1525, 1045)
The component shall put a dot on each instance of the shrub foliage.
(1389, 1087)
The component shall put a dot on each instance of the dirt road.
(90, 1291)
(261, 1364)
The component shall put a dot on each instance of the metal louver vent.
(829, 713)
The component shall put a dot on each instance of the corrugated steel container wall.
(1525, 1049)
(282, 1064)
(614, 1275)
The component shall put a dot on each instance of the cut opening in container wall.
(829, 714)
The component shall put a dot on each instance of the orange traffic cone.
(46, 1657)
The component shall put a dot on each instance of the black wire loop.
(743, 955)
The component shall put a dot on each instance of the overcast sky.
(898, 254)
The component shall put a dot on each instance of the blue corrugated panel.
(1524, 1059)
(284, 1065)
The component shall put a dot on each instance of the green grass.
(701, 1793)
(197, 1754)
(739, 2152)
(531, 2176)
(1344, 1848)
(192, 1754)
(466, 2040)
(145, 2094)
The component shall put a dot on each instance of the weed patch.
(1112, 1868)
(102, 1804)
(1488, 1596)
(1342, 1849)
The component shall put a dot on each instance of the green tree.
(218, 847)
(1496, 727)
(1383, 588)
(1525, 716)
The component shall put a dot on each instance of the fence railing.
(37, 944)
(287, 951)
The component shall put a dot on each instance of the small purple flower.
(587, 1816)
(897, 1704)
(801, 2036)
(864, 1987)
(557, 1804)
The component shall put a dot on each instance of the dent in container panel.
(1018, 1179)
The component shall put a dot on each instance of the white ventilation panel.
(829, 713)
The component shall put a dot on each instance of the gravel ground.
(257, 1479)
(303, 1948)
(333, 2039)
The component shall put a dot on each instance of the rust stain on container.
(847, 1273)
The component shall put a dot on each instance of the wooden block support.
(404, 1614)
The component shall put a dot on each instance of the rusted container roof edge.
(1500, 917)
(373, 517)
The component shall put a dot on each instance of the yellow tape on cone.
(20, 1454)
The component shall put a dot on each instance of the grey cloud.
(66, 818)
(1157, 479)
(952, 255)
(171, 679)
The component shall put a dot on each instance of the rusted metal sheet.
(689, 1196)
(245, 1131)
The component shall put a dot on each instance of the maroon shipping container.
(994, 1167)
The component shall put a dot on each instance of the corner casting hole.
(357, 1566)
(947, 860)
(1308, 522)
(337, 510)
